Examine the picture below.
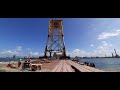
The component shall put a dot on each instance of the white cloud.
(28, 49)
(106, 35)
(92, 45)
(19, 48)
(78, 52)
(101, 50)
(9, 52)
(34, 54)
(16, 51)
(67, 53)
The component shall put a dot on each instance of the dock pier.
(71, 66)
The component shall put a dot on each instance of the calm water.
(104, 63)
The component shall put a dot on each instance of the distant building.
(116, 55)
(112, 55)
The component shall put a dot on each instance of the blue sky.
(83, 36)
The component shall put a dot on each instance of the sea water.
(104, 63)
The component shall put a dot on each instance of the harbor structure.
(116, 55)
(55, 41)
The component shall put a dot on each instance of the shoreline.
(46, 67)
(111, 70)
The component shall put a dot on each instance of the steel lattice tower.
(55, 41)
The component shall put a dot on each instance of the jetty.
(70, 66)
(52, 66)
